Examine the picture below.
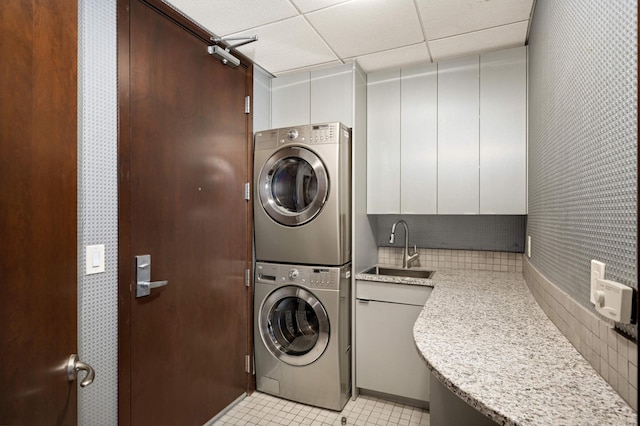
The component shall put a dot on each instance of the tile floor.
(263, 409)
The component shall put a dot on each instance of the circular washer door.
(294, 325)
(294, 186)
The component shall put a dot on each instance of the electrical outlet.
(614, 300)
(597, 273)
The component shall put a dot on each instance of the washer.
(302, 212)
(302, 333)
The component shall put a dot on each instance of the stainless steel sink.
(399, 272)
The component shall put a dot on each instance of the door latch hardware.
(143, 276)
(74, 365)
(247, 277)
(247, 191)
(247, 104)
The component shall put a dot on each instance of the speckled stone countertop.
(396, 280)
(483, 335)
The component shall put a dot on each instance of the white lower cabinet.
(387, 360)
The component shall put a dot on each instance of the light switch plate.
(597, 273)
(95, 259)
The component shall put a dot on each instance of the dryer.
(302, 333)
(302, 208)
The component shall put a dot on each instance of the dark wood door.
(188, 154)
(38, 169)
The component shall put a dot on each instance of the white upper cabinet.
(383, 142)
(419, 140)
(290, 100)
(503, 132)
(313, 97)
(449, 138)
(458, 136)
(332, 95)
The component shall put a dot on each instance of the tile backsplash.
(457, 259)
(610, 353)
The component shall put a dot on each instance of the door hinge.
(247, 104)
(247, 277)
(247, 364)
(247, 191)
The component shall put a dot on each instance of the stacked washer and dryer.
(302, 222)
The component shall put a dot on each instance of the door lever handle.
(143, 276)
(74, 365)
(143, 288)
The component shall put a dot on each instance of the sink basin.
(399, 272)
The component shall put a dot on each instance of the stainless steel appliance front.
(302, 212)
(302, 333)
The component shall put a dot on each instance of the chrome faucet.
(407, 259)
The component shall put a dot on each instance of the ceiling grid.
(295, 35)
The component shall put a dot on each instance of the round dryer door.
(294, 325)
(293, 186)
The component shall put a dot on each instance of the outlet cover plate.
(597, 273)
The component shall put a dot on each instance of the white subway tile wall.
(263, 409)
(456, 259)
(610, 353)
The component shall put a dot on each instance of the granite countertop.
(428, 282)
(483, 335)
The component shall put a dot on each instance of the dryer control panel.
(324, 133)
(310, 134)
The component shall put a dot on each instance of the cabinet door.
(419, 140)
(332, 95)
(386, 356)
(383, 142)
(503, 132)
(458, 134)
(290, 100)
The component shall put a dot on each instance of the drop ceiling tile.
(310, 68)
(360, 27)
(287, 45)
(503, 37)
(223, 17)
(395, 58)
(311, 5)
(444, 18)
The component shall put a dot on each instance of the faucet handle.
(415, 249)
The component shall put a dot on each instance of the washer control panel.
(326, 278)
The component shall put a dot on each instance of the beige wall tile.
(609, 352)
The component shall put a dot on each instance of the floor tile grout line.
(262, 409)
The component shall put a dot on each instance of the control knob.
(293, 274)
(293, 133)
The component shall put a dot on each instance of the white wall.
(261, 99)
